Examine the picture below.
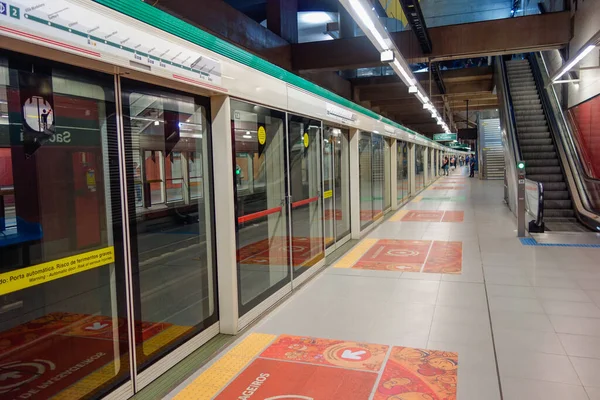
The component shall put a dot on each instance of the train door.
(336, 187)
(263, 258)
(306, 202)
(166, 135)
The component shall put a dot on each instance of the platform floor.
(440, 302)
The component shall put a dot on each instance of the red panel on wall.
(587, 120)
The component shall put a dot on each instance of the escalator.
(538, 134)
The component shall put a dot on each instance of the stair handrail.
(561, 130)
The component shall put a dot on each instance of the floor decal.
(276, 251)
(446, 187)
(67, 355)
(440, 198)
(417, 374)
(410, 256)
(428, 216)
(264, 367)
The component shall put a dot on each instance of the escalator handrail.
(578, 172)
(511, 112)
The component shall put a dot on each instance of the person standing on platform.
(446, 166)
(472, 167)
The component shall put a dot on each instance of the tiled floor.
(524, 321)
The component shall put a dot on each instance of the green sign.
(444, 137)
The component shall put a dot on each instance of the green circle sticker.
(305, 139)
(262, 135)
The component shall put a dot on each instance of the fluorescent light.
(366, 20)
(422, 97)
(315, 17)
(387, 56)
(247, 137)
(412, 89)
(409, 79)
(572, 63)
(156, 123)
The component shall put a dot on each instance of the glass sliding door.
(63, 314)
(378, 175)
(336, 185)
(172, 244)
(402, 171)
(263, 259)
(342, 184)
(387, 169)
(365, 154)
(419, 168)
(304, 151)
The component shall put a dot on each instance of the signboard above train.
(75, 28)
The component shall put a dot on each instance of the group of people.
(451, 162)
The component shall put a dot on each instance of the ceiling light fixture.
(566, 68)
(368, 23)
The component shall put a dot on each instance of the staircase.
(493, 152)
(537, 146)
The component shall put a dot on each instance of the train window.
(63, 314)
(174, 270)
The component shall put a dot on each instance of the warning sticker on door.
(49, 271)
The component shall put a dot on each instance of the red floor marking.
(444, 257)
(456, 187)
(48, 354)
(367, 215)
(270, 379)
(417, 374)
(423, 216)
(413, 256)
(397, 255)
(433, 216)
(352, 355)
(329, 215)
(453, 216)
(275, 252)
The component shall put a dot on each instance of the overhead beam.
(495, 37)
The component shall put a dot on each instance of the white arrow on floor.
(96, 326)
(352, 355)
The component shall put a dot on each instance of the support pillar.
(225, 215)
(411, 169)
(282, 19)
(394, 174)
(354, 184)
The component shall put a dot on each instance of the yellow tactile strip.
(398, 216)
(355, 254)
(211, 381)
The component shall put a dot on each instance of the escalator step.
(558, 204)
(546, 178)
(542, 155)
(532, 129)
(542, 163)
(535, 149)
(535, 142)
(542, 170)
(555, 186)
(535, 135)
(556, 194)
(558, 213)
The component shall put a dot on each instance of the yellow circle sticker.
(262, 135)
(305, 139)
